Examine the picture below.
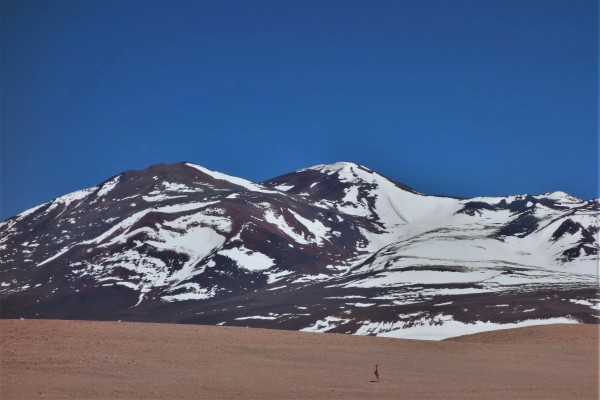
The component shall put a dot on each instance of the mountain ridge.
(308, 168)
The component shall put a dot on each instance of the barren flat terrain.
(113, 360)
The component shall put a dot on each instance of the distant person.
(377, 372)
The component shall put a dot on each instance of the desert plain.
(52, 359)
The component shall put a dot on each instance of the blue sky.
(460, 98)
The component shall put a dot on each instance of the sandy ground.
(112, 360)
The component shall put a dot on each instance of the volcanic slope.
(336, 248)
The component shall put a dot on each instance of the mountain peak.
(562, 196)
(335, 167)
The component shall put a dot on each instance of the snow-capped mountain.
(336, 248)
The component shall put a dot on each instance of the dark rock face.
(335, 248)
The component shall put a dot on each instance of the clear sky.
(460, 98)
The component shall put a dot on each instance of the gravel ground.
(53, 359)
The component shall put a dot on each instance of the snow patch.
(194, 292)
(108, 186)
(246, 184)
(315, 227)
(324, 325)
(280, 222)
(266, 317)
(443, 327)
(312, 278)
(277, 276)
(586, 303)
(248, 259)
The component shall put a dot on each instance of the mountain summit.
(336, 248)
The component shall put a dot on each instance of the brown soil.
(112, 360)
